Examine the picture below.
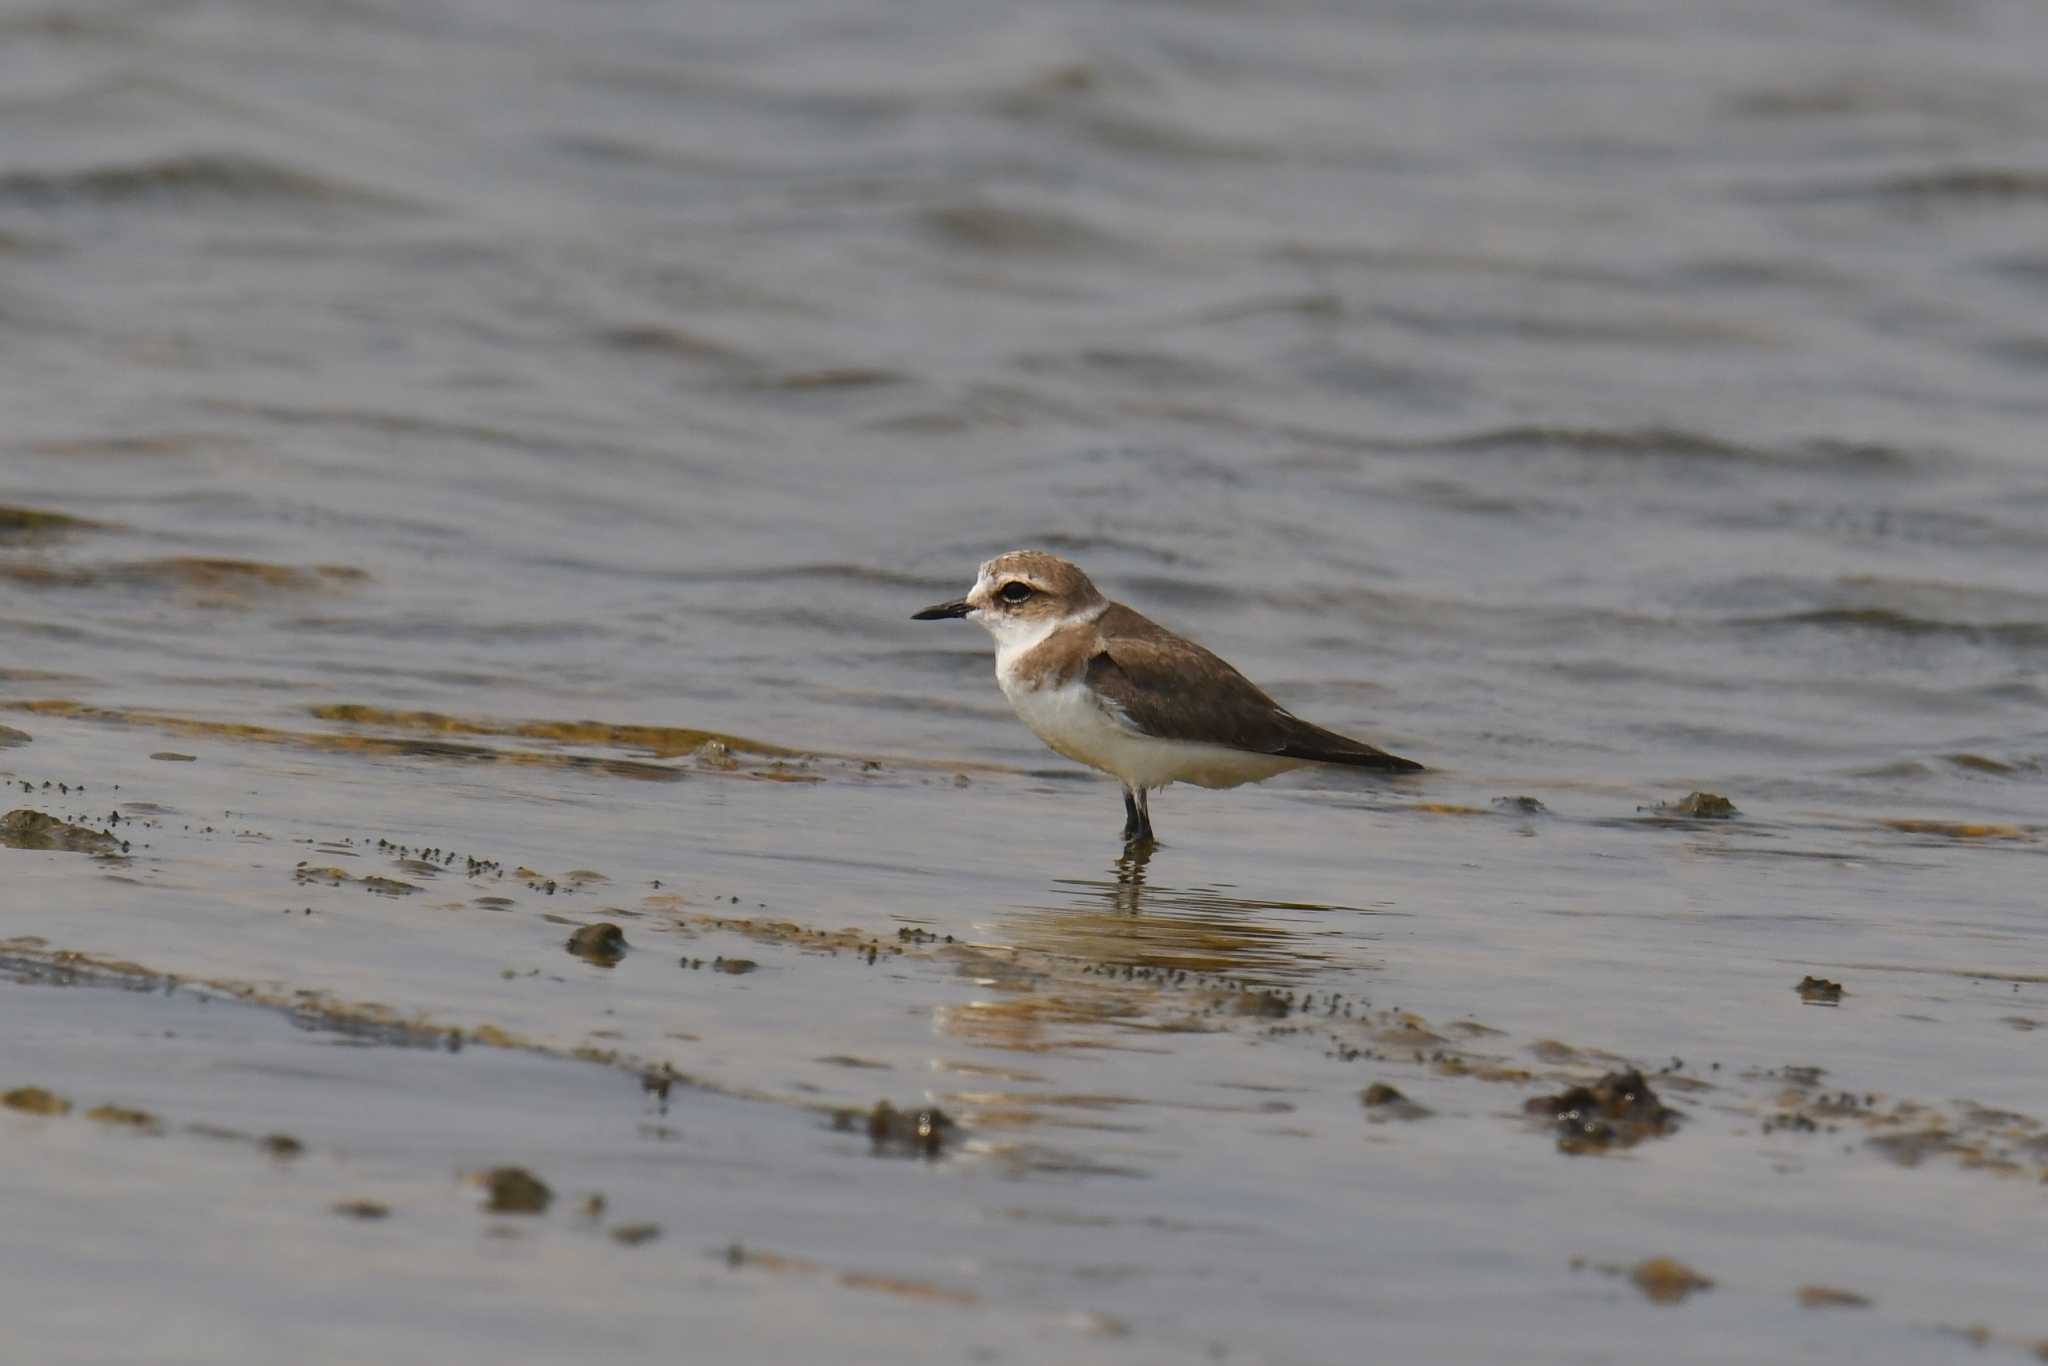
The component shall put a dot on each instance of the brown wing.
(1165, 686)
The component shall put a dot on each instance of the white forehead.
(994, 573)
(1035, 566)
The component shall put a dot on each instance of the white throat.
(1015, 639)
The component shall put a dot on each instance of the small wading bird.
(1110, 689)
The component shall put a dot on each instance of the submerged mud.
(1112, 1034)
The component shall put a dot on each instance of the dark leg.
(1137, 817)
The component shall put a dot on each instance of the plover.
(1106, 687)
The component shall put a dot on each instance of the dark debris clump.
(922, 1132)
(603, 943)
(1819, 991)
(515, 1190)
(1618, 1111)
(1710, 806)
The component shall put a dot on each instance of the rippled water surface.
(467, 475)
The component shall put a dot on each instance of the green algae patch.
(905, 1288)
(22, 524)
(837, 377)
(326, 875)
(196, 572)
(784, 765)
(11, 738)
(664, 742)
(210, 580)
(712, 750)
(1665, 1280)
(633, 1235)
(1958, 830)
(1699, 806)
(1984, 763)
(738, 1257)
(1831, 1297)
(34, 1100)
(379, 746)
(169, 443)
(142, 1121)
(22, 828)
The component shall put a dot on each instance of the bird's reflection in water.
(1130, 920)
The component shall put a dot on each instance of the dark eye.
(1015, 591)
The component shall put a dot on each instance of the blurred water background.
(1598, 400)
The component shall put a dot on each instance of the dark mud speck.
(140, 1120)
(1828, 1297)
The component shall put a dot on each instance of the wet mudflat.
(793, 1086)
(489, 871)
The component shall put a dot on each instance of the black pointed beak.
(957, 608)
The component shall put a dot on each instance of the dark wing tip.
(1362, 757)
(1310, 741)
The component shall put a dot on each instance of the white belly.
(1074, 723)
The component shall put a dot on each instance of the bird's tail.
(1327, 747)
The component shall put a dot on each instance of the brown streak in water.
(215, 578)
(26, 523)
(1961, 830)
(1987, 974)
(168, 443)
(738, 1257)
(897, 1285)
(352, 744)
(662, 741)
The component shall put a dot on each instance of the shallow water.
(464, 414)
